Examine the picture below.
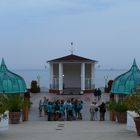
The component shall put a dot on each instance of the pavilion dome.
(125, 83)
(10, 82)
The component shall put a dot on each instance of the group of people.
(61, 109)
(96, 109)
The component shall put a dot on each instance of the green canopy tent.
(10, 83)
(125, 83)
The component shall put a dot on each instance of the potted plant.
(133, 104)
(14, 105)
(120, 111)
(110, 108)
(117, 111)
(3, 106)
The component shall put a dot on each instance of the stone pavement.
(75, 130)
(37, 128)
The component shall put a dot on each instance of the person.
(95, 93)
(50, 111)
(65, 109)
(102, 108)
(73, 110)
(99, 94)
(69, 111)
(40, 107)
(91, 110)
(95, 106)
(57, 110)
(45, 104)
(79, 107)
(62, 110)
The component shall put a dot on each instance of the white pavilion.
(72, 74)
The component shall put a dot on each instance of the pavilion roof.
(72, 58)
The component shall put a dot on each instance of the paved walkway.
(82, 130)
(39, 129)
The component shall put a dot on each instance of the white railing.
(88, 83)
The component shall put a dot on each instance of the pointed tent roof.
(125, 83)
(72, 58)
(10, 82)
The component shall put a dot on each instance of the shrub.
(119, 106)
(34, 87)
(3, 105)
(133, 103)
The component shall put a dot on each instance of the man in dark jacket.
(102, 111)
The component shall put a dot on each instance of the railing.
(88, 84)
(55, 84)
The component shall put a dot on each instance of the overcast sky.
(34, 31)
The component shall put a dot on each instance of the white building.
(72, 74)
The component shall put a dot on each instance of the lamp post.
(106, 78)
(38, 80)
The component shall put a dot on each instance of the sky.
(35, 31)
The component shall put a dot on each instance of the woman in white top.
(93, 111)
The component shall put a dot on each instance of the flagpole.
(72, 50)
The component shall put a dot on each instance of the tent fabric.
(10, 82)
(125, 83)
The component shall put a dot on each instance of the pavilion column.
(60, 76)
(92, 75)
(83, 76)
(51, 76)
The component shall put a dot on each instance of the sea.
(102, 76)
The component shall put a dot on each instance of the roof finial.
(134, 66)
(3, 66)
(134, 62)
(2, 62)
(71, 50)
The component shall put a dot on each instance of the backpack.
(96, 109)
